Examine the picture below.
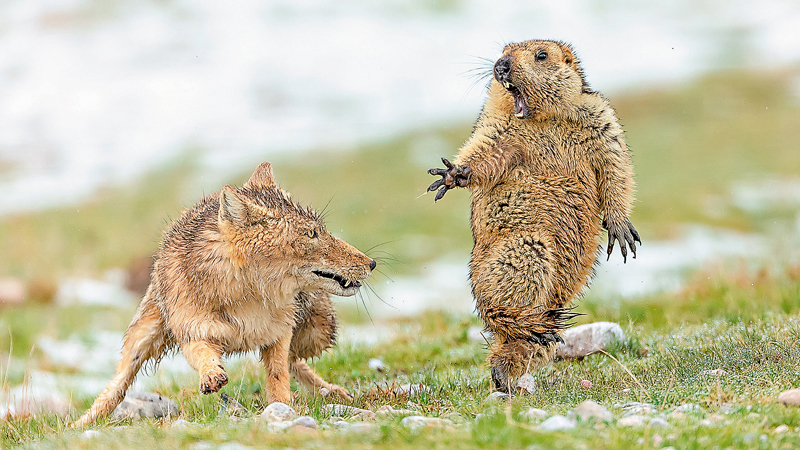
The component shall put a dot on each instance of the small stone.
(361, 427)
(534, 414)
(324, 392)
(526, 384)
(180, 423)
(625, 391)
(498, 396)
(714, 418)
(705, 423)
(279, 425)
(749, 438)
(416, 423)
(633, 408)
(412, 389)
(677, 415)
(782, 428)
(790, 397)
(586, 339)
(388, 411)
(590, 410)
(341, 424)
(715, 372)
(376, 365)
(231, 407)
(689, 407)
(754, 416)
(348, 411)
(658, 422)
(556, 423)
(657, 440)
(305, 421)
(89, 434)
(586, 384)
(727, 408)
(632, 421)
(139, 405)
(278, 412)
(478, 335)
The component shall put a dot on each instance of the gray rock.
(783, 428)
(279, 425)
(348, 411)
(586, 339)
(689, 407)
(389, 411)
(479, 417)
(231, 407)
(590, 410)
(90, 434)
(454, 417)
(180, 423)
(658, 422)
(278, 412)
(305, 421)
(376, 365)
(632, 408)
(498, 397)
(534, 414)
(417, 423)
(412, 389)
(556, 423)
(139, 405)
(357, 427)
(526, 384)
(632, 421)
(790, 397)
(714, 372)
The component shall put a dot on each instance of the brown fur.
(241, 270)
(546, 160)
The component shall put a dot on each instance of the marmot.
(547, 165)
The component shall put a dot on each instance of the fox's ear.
(232, 208)
(262, 177)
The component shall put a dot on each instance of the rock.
(781, 428)
(498, 396)
(479, 417)
(27, 401)
(139, 405)
(412, 389)
(714, 372)
(658, 422)
(586, 339)
(526, 384)
(279, 425)
(324, 392)
(790, 397)
(231, 407)
(376, 365)
(89, 434)
(417, 423)
(586, 384)
(12, 291)
(534, 414)
(590, 410)
(454, 417)
(632, 421)
(180, 423)
(278, 412)
(714, 418)
(632, 408)
(362, 427)
(388, 411)
(689, 407)
(677, 415)
(625, 391)
(727, 408)
(479, 335)
(705, 423)
(657, 440)
(305, 421)
(556, 423)
(348, 411)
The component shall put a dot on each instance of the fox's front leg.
(453, 175)
(206, 359)
(276, 361)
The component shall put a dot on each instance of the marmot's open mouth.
(344, 283)
(520, 108)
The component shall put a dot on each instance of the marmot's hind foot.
(501, 380)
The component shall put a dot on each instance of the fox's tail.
(145, 339)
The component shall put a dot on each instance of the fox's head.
(269, 230)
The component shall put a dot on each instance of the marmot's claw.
(440, 194)
(435, 185)
(627, 237)
(452, 176)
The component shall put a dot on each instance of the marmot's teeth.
(519, 115)
(507, 85)
(347, 284)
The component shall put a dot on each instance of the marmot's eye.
(312, 234)
(541, 56)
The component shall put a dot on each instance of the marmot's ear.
(232, 208)
(569, 56)
(262, 177)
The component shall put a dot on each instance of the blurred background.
(116, 115)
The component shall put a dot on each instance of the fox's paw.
(213, 381)
(452, 176)
(336, 390)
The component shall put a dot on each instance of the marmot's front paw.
(452, 176)
(624, 233)
(213, 381)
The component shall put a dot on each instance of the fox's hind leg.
(145, 339)
(206, 359)
(314, 332)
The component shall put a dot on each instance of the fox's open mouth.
(520, 108)
(344, 283)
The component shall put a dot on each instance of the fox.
(243, 269)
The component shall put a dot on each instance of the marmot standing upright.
(547, 165)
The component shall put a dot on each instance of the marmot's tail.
(527, 324)
(144, 340)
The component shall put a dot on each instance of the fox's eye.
(541, 56)
(312, 234)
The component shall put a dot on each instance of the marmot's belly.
(554, 220)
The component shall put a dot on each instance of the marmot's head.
(540, 77)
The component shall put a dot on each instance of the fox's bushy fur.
(245, 269)
(547, 165)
